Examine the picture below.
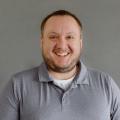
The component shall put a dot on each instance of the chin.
(63, 68)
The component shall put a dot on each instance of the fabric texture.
(32, 95)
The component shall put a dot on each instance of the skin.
(61, 46)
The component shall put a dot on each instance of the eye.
(70, 37)
(52, 37)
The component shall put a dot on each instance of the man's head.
(61, 40)
(59, 13)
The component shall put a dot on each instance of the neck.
(63, 76)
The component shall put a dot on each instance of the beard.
(60, 69)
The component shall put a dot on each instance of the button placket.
(65, 100)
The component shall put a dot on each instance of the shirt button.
(63, 102)
(63, 99)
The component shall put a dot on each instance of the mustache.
(61, 50)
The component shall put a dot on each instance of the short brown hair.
(59, 13)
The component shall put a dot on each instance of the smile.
(61, 54)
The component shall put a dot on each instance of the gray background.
(19, 33)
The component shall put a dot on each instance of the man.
(62, 87)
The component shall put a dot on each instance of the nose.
(62, 43)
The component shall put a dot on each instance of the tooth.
(62, 54)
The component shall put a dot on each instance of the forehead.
(66, 23)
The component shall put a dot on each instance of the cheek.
(75, 47)
(48, 46)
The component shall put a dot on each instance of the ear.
(41, 42)
(81, 43)
(81, 40)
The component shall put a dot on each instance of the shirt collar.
(43, 73)
(81, 77)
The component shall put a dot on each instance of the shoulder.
(96, 72)
(25, 77)
(29, 73)
(21, 82)
(99, 78)
(102, 80)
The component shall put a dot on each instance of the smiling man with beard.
(61, 45)
(62, 87)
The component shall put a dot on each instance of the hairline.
(59, 14)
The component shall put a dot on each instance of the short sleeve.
(9, 104)
(115, 100)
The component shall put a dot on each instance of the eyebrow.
(52, 33)
(58, 33)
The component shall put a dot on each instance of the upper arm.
(115, 100)
(9, 103)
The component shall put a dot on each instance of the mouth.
(62, 54)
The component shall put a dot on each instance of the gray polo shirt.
(31, 95)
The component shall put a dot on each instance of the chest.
(51, 103)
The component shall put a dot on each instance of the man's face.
(61, 43)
